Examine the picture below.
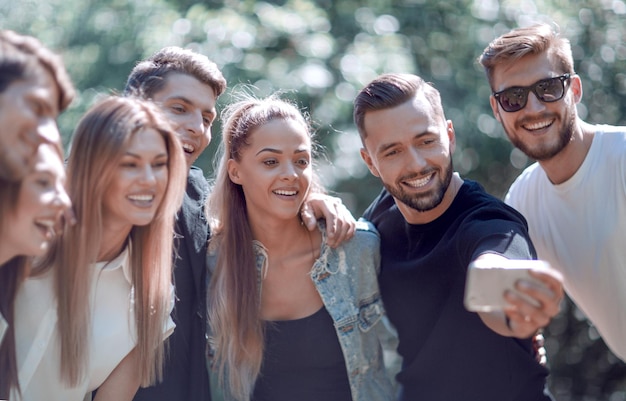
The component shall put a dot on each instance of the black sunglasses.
(547, 90)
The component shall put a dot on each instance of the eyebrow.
(388, 146)
(136, 156)
(280, 152)
(43, 100)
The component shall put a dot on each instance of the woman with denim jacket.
(290, 318)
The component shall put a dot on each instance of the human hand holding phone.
(525, 293)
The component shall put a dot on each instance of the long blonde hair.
(233, 302)
(98, 144)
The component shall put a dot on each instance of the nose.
(193, 123)
(288, 172)
(62, 199)
(415, 161)
(147, 176)
(47, 131)
(533, 103)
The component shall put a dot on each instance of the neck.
(562, 166)
(112, 243)
(279, 237)
(8, 250)
(5, 254)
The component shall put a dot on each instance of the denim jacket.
(346, 279)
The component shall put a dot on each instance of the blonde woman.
(290, 317)
(109, 276)
(30, 208)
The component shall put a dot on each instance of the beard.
(546, 151)
(422, 202)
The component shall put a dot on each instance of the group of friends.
(125, 275)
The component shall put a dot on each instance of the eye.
(208, 121)
(43, 182)
(303, 162)
(38, 108)
(160, 164)
(270, 162)
(177, 108)
(390, 153)
(128, 164)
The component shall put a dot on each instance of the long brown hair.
(234, 305)
(12, 273)
(98, 144)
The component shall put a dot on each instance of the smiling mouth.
(188, 148)
(538, 125)
(418, 183)
(283, 192)
(141, 200)
(46, 226)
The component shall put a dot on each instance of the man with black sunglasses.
(574, 197)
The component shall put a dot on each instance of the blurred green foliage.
(320, 53)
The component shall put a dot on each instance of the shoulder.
(384, 214)
(478, 206)
(382, 205)
(365, 232)
(610, 141)
(530, 177)
(365, 228)
(197, 184)
(364, 243)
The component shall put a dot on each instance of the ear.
(451, 135)
(368, 161)
(494, 107)
(576, 86)
(233, 171)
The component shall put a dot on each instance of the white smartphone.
(488, 279)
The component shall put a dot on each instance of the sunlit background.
(320, 53)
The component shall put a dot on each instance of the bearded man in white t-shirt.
(574, 197)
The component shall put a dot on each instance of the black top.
(448, 353)
(303, 361)
(185, 372)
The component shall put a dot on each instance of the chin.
(190, 159)
(39, 250)
(142, 220)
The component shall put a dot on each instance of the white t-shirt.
(579, 226)
(113, 332)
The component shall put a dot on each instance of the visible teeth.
(536, 126)
(418, 183)
(286, 193)
(141, 197)
(188, 148)
(47, 226)
(45, 222)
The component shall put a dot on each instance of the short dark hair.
(22, 56)
(148, 76)
(391, 90)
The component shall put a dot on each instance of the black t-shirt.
(303, 361)
(448, 353)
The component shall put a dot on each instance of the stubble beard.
(547, 151)
(425, 201)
